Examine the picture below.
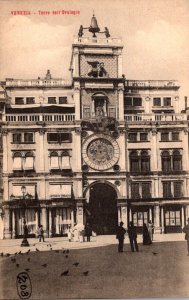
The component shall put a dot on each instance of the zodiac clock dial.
(100, 152)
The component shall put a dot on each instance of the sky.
(155, 35)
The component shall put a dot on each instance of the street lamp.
(25, 235)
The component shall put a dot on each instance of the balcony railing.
(98, 40)
(40, 118)
(155, 117)
(151, 83)
(37, 83)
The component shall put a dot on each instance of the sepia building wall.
(99, 148)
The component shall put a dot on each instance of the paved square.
(110, 274)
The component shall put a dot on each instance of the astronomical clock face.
(100, 152)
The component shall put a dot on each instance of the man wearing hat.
(186, 231)
(120, 236)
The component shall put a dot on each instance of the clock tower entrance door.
(103, 209)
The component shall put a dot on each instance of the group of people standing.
(132, 234)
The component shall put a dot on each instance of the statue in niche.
(100, 109)
(97, 69)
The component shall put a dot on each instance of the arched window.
(166, 161)
(29, 161)
(177, 161)
(145, 161)
(65, 160)
(17, 161)
(134, 162)
(54, 160)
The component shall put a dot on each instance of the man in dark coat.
(88, 232)
(120, 236)
(132, 237)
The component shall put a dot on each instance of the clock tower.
(96, 67)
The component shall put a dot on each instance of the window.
(143, 136)
(166, 161)
(86, 112)
(139, 163)
(165, 136)
(135, 191)
(139, 218)
(112, 112)
(173, 218)
(28, 137)
(175, 136)
(156, 101)
(59, 137)
(54, 161)
(177, 188)
(19, 100)
(30, 100)
(137, 101)
(145, 161)
(134, 162)
(146, 193)
(128, 101)
(167, 101)
(51, 100)
(65, 161)
(63, 100)
(17, 161)
(16, 138)
(177, 161)
(133, 136)
(29, 161)
(167, 189)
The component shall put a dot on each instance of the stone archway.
(101, 211)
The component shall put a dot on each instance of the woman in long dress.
(146, 236)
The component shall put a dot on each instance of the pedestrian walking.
(151, 229)
(132, 237)
(146, 235)
(41, 233)
(186, 231)
(88, 232)
(69, 233)
(120, 236)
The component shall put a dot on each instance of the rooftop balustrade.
(151, 83)
(40, 117)
(98, 40)
(37, 83)
(155, 117)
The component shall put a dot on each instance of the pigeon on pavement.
(76, 264)
(45, 265)
(65, 273)
(154, 253)
(85, 273)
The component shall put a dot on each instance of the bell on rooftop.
(94, 26)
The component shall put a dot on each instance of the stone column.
(7, 231)
(13, 224)
(154, 156)
(121, 102)
(162, 220)
(124, 215)
(157, 219)
(77, 101)
(44, 219)
(150, 213)
(72, 218)
(41, 161)
(50, 223)
(183, 221)
(80, 211)
(93, 109)
(37, 219)
(147, 105)
(120, 63)
(5, 149)
(76, 62)
(119, 214)
(185, 158)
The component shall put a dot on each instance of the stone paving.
(13, 245)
